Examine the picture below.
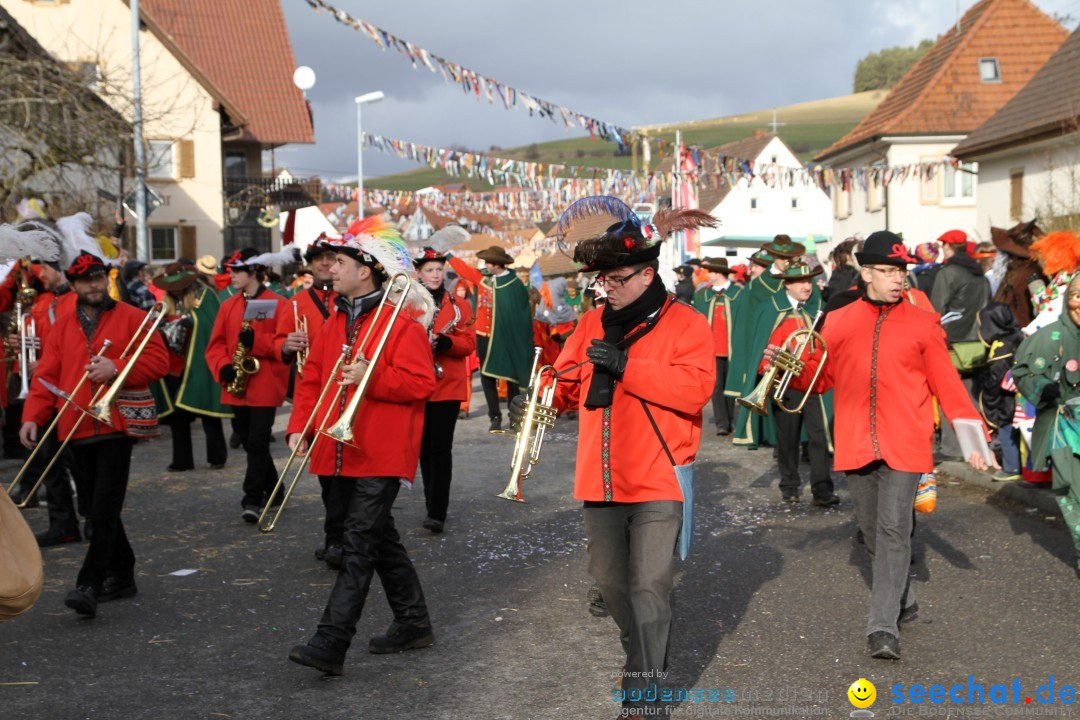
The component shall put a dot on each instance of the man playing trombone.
(73, 358)
(388, 357)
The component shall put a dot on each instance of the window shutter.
(1016, 194)
(187, 241)
(187, 158)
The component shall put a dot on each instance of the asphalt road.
(771, 604)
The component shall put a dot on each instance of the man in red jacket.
(887, 359)
(386, 439)
(453, 339)
(102, 452)
(255, 409)
(639, 372)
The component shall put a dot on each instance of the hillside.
(810, 127)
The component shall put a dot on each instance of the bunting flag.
(473, 83)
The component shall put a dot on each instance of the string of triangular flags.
(474, 83)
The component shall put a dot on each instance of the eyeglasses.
(889, 271)
(615, 282)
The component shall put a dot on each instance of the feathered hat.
(1058, 252)
(629, 240)
(376, 243)
(249, 259)
(318, 246)
(448, 237)
(77, 240)
(38, 239)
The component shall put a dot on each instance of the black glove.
(557, 338)
(442, 343)
(606, 355)
(227, 374)
(1050, 394)
(517, 408)
(247, 337)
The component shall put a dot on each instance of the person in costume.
(386, 440)
(1000, 334)
(102, 452)
(684, 283)
(1047, 372)
(639, 372)
(960, 289)
(1023, 278)
(1058, 254)
(190, 390)
(504, 338)
(254, 411)
(453, 340)
(887, 359)
(716, 302)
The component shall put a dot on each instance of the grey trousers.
(883, 499)
(632, 559)
(950, 445)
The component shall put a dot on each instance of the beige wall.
(1049, 188)
(175, 106)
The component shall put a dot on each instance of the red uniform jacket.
(66, 354)
(386, 435)
(673, 369)
(267, 387)
(308, 303)
(455, 381)
(483, 294)
(884, 365)
(781, 333)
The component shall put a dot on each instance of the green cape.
(510, 350)
(199, 392)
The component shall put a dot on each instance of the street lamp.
(365, 98)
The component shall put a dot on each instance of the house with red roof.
(969, 74)
(218, 99)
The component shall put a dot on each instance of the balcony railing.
(288, 194)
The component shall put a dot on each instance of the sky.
(626, 62)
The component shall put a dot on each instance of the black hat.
(131, 267)
(685, 270)
(86, 265)
(782, 247)
(696, 262)
(239, 259)
(885, 248)
(429, 254)
(317, 247)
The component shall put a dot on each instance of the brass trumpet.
(539, 416)
(791, 364)
(27, 347)
(299, 325)
(341, 431)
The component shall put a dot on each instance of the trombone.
(791, 364)
(539, 416)
(299, 325)
(341, 431)
(100, 402)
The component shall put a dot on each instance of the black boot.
(496, 423)
(115, 588)
(83, 600)
(334, 556)
(884, 646)
(58, 536)
(399, 638)
(320, 654)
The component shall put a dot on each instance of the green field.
(810, 128)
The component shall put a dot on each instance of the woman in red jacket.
(453, 339)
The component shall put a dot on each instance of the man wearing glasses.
(887, 358)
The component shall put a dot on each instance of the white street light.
(360, 100)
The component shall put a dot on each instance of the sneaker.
(115, 588)
(57, 536)
(83, 600)
(1005, 476)
(435, 526)
(400, 638)
(319, 654)
(250, 514)
(884, 646)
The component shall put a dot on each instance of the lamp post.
(360, 100)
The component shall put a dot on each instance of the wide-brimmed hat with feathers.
(249, 259)
(60, 242)
(376, 243)
(629, 240)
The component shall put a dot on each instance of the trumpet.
(539, 416)
(27, 347)
(790, 364)
(341, 431)
(449, 327)
(299, 325)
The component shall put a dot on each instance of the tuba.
(791, 364)
(539, 416)
(243, 363)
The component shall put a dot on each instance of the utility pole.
(142, 247)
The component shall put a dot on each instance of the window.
(235, 163)
(874, 194)
(731, 253)
(162, 244)
(159, 159)
(989, 71)
(795, 202)
(1016, 193)
(773, 161)
(753, 203)
(958, 184)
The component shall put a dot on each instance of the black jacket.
(960, 287)
(1000, 332)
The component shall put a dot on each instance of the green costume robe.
(199, 392)
(510, 349)
(1052, 355)
(705, 301)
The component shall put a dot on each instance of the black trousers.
(254, 425)
(372, 546)
(336, 493)
(723, 407)
(183, 453)
(788, 431)
(101, 475)
(57, 484)
(437, 455)
(490, 385)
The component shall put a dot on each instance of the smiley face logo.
(862, 693)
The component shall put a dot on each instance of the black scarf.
(437, 295)
(617, 323)
(880, 303)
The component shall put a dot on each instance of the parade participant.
(960, 288)
(1058, 254)
(453, 340)
(102, 452)
(254, 409)
(765, 285)
(503, 326)
(639, 372)
(887, 359)
(1023, 277)
(1047, 372)
(716, 302)
(1000, 333)
(137, 278)
(845, 269)
(760, 261)
(190, 390)
(684, 283)
(386, 440)
(553, 310)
